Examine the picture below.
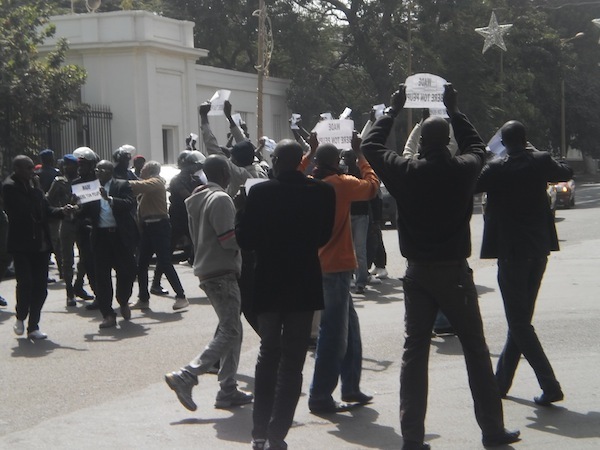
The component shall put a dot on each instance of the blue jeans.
(339, 348)
(360, 229)
(156, 238)
(224, 295)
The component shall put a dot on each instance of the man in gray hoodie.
(217, 263)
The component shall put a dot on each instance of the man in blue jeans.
(339, 347)
(217, 264)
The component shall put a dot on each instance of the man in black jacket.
(29, 242)
(434, 195)
(285, 221)
(519, 231)
(114, 239)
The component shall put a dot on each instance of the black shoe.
(51, 280)
(158, 290)
(83, 294)
(71, 301)
(506, 437)
(109, 322)
(92, 306)
(331, 408)
(359, 398)
(546, 399)
(3, 302)
(125, 311)
(412, 445)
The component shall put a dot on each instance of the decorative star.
(493, 34)
(597, 23)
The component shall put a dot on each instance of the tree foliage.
(35, 91)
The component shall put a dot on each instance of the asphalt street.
(89, 389)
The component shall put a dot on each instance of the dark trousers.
(375, 249)
(156, 238)
(110, 253)
(519, 282)
(179, 230)
(84, 245)
(278, 378)
(31, 272)
(246, 284)
(449, 287)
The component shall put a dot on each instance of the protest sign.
(237, 118)
(337, 132)
(378, 110)
(346, 113)
(496, 146)
(87, 192)
(326, 116)
(424, 90)
(294, 121)
(217, 102)
(250, 182)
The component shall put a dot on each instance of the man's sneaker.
(180, 303)
(37, 335)
(71, 301)
(381, 273)
(140, 304)
(19, 327)
(158, 290)
(3, 302)
(373, 280)
(235, 398)
(182, 384)
(83, 294)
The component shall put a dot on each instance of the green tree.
(35, 91)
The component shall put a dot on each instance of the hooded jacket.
(211, 217)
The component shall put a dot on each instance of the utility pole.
(260, 66)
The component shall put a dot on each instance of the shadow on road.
(232, 429)
(390, 290)
(125, 330)
(34, 349)
(447, 345)
(563, 422)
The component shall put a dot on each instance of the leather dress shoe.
(92, 306)
(359, 398)
(331, 408)
(506, 437)
(83, 294)
(411, 445)
(109, 322)
(125, 311)
(546, 399)
(158, 290)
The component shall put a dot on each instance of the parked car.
(389, 213)
(565, 194)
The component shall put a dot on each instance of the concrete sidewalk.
(567, 321)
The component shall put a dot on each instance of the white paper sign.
(438, 112)
(87, 192)
(346, 113)
(217, 102)
(326, 116)
(378, 110)
(424, 90)
(294, 121)
(336, 132)
(495, 145)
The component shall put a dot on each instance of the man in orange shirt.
(339, 348)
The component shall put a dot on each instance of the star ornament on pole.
(493, 34)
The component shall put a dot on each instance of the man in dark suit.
(519, 231)
(285, 221)
(29, 242)
(114, 239)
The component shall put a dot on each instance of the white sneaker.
(381, 273)
(19, 327)
(36, 335)
(373, 280)
(180, 303)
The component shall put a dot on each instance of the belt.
(108, 229)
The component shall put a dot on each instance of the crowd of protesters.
(289, 249)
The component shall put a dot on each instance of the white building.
(143, 67)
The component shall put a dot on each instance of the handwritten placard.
(87, 192)
(217, 102)
(424, 90)
(337, 132)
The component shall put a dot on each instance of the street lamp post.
(563, 118)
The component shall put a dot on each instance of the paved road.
(84, 388)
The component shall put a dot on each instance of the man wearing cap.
(29, 242)
(156, 234)
(114, 239)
